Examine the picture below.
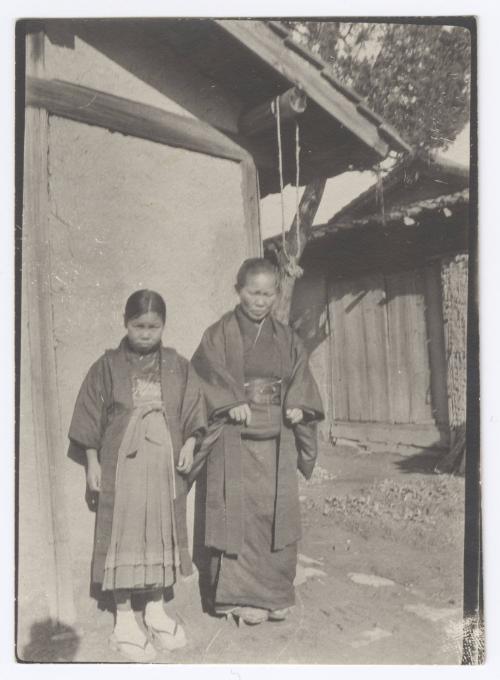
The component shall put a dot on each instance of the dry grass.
(431, 509)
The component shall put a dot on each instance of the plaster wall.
(124, 214)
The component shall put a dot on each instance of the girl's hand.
(185, 462)
(294, 415)
(94, 476)
(241, 414)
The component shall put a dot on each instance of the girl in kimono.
(262, 396)
(139, 415)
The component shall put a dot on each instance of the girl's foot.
(129, 640)
(166, 633)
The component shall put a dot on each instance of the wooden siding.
(387, 335)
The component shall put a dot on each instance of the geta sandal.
(167, 640)
(133, 650)
(278, 614)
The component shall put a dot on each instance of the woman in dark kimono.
(138, 416)
(262, 397)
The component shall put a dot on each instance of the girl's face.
(144, 332)
(258, 295)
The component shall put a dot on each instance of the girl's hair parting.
(144, 301)
(252, 266)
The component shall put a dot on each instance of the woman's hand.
(185, 462)
(93, 473)
(241, 414)
(294, 415)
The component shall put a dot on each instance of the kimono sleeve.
(303, 391)
(193, 411)
(89, 416)
(221, 390)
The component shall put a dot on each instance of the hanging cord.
(297, 182)
(277, 115)
(329, 380)
(290, 267)
(380, 193)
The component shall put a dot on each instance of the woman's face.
(258, 295)
(144, 332)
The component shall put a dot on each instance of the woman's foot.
(278, 614)
(253, 615)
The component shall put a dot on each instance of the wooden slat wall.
(380, 349)
(418, 351)
(436, 342)
(399, 383)
(355, 357)
(338, 346)
(374, 320)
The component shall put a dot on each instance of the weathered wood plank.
(374, 320)
(435, 333)
(398, 339)
(338, 349)
(45, 399)
(358, 396)
(418, 351)
(93, 107)
(420, 435)
(251, 206)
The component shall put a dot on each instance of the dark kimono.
(248, 495)
(103, 411)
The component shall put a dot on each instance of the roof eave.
(305, 70)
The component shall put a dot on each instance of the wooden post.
(309, 204)
(49, 450)
(292, 103)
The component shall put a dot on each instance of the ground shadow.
(50, 643)
(424, 462)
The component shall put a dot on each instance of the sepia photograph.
(247, 342)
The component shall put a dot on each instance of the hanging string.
(290, 267)
(297, 183)
(277, 114)
(380, 193)
(330, 374)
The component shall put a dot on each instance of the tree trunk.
(309, 203)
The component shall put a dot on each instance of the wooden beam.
(251, 206)
(37, 320)
(424, 435)
(292, 103)
(91, 106)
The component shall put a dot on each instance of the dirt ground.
(379, 578)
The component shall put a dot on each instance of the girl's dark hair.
(144, 301)
(252, 266)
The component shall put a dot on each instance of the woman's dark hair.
(252, 266)
(142, 302)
